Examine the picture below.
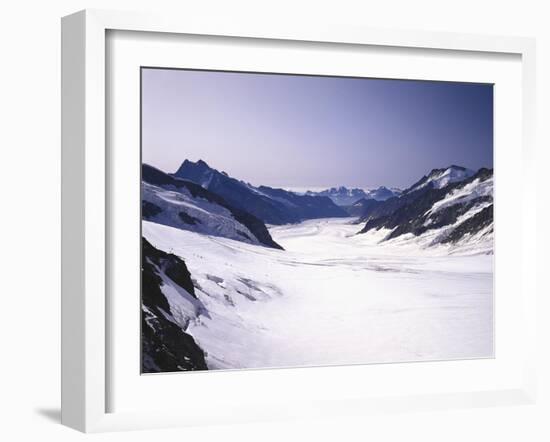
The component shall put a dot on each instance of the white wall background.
(30, 221)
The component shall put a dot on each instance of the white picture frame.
(85, 215)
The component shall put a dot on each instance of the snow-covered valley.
(331, 297)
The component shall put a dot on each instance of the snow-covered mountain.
(382, 193)
(185, 205)
(272, 206)
(215, 297)
(343, 196)
(449, 206)
(439, 178)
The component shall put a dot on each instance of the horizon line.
(311, 188)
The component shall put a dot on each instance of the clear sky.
(308, 131)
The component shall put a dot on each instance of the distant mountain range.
(345, 197)
(271, 205)
(454, 201)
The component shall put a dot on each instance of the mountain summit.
(439, 178)
(271, 205)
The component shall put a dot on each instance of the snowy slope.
(439, 178)
(185, 205)
(463, 194)
(459, 212)
(332, 297)
(179, 209)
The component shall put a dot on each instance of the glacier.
(333, 297)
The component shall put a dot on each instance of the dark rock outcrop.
(472, 225)
(165, 347)
(411, 212)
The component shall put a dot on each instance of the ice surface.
(333, 297)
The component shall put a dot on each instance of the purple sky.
(306, 131)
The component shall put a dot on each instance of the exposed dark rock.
(165, 346)
(472, 225)
(362, 207)
(149, 210)
(443, 217)
(188, 219)
(410, 213)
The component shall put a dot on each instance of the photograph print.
(306, 220)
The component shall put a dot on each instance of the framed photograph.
(264, 222)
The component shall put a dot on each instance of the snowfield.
(202, 216)
(332, 297)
